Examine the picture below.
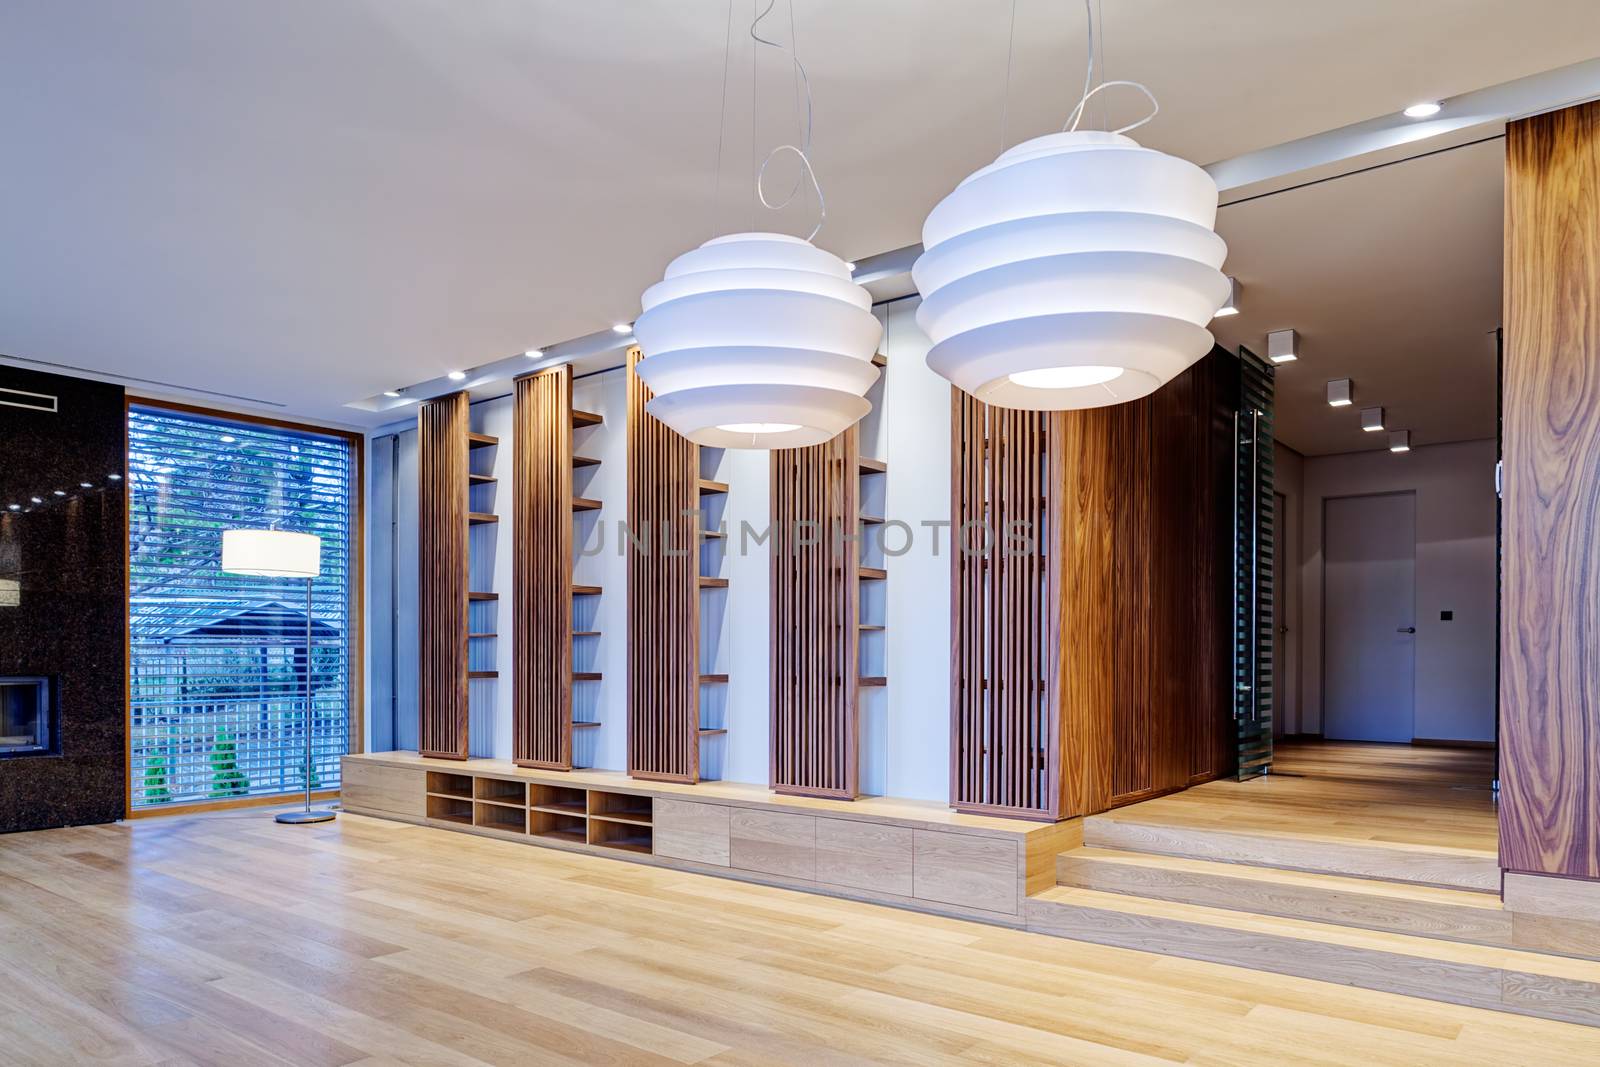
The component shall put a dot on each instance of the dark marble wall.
(68, 553)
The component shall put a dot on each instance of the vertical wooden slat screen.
(663, 595)
(1005, 613)
(541, 732)
(815, 654)
(442, 427)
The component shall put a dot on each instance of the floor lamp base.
(304, 816)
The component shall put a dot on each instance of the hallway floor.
(1394, 794)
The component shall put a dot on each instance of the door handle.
(1405, 629)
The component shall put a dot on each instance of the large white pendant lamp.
(759, 340)
(1077, 270)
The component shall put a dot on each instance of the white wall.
(1455, 571)
(1289, 477)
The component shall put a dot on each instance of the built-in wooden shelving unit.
(547, 631)
(621, 821)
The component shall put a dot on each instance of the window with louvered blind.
(218, 662)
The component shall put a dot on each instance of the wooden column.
(815, 656)
(442, 428)
(663, 595)
(1550, 621)
(541, 734)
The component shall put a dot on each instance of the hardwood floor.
(231, 939)
(1384, 794)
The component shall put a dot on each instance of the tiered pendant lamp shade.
(1077, 270)
(758, 340)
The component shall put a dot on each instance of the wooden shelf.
(872, 466)
(494, 816)
(586, 633)
(870, 627)
(585, 461)
(474, 637)
(575, 833)
(712, 535)
(870, 520)
(481, 479)
(585, 676)
(481, 440)
(483, 674)
(584, 503)
(708, 582)
(707, 486)
(500, 791)
(561, 799)
(480, 518)
(586, 418)
(879, 359)
(483, 596)
(712, 732)
(713, 679)
(586, 590)
(450, 809)
(584, 725)
(626, 820)
(873, 574)
(874, 681)
(620, 807)
(620, 836)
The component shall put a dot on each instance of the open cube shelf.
(501, 791)
(445, 784)
(627, 837)
(450, 809)
(573, 828)
(500, 817)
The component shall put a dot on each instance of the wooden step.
(1396, 907)
(1451, 868)
(1498, 979)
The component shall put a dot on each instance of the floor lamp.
(281, 554)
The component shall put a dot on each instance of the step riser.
(1413, 866)
(1496, 989)
(1481, 926)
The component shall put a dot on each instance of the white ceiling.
(305, 202)
(1391, 278)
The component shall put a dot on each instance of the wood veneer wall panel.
(1004, 740)
(442, 426)
(815, 655)
(541, 731)
(663, 595)
(1550, 623)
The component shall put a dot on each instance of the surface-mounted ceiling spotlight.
(1425, 110)
(393, 394)
(1230, 305)
(1372, 419)
(850, 265)
(1340, 393)
(1400, 441)
(534, 353)
(622, 327)
(1283, 346)
(456, 375)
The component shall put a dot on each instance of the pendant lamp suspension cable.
(722, 115)
(1005, 99)
(1089, 93)
(803, 149)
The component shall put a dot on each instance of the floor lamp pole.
(307, 815)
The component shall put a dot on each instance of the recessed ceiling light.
(1230, 306)
(14, 507)
(393, 394)
(85, 485)
(622, 327)
(1339, 393)
(534, 353)
(36, 500)
(60, 492)
(1282, 345)
(1424, 110)
(115, 477)
(1400, 441)
(1372, 419)
(456, 375)
(850, 266)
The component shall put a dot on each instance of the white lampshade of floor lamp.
(282, 554)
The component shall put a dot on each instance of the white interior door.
(1369, 620)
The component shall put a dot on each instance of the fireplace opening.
(27, 717)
